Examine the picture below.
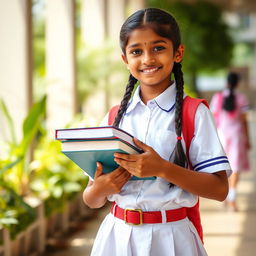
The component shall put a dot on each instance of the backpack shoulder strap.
(189, 108)
(112, 114)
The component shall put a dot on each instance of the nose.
(148, 58)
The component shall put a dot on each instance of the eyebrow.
(154, 42)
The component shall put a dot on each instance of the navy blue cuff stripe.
(211, 164)
(210, 160)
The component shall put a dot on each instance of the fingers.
(118, 178)
(142, 145)
(127, 157)
(119, 172)
(99, 170)
(123, 177)
(127, 165)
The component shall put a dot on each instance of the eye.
(135, 52)
(158, 48)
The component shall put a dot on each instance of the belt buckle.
(133, 210)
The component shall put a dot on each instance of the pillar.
(60, 63)
(134, 5)
(93, 22)
(115, 18)
(15, 63)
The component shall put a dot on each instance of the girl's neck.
(148, 93)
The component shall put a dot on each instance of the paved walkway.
(225, 233)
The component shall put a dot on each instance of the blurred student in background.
(229, 108)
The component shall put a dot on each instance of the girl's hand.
(96, 192)
(146, 164)
(109, 183)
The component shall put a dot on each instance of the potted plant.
(17, 214)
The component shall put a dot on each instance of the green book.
(85, 153)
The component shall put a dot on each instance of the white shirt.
(154, 125)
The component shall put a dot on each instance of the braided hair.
(163, 24)
(229, 102)
(127, 95)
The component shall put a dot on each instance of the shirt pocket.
(165, 143)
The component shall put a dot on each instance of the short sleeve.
(243, 102)
(206, 152)
(213, 103)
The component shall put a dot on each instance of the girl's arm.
(246, 129)
(209, 185)
(96, 192)
(213, 186)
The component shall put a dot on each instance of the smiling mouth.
(150, 70)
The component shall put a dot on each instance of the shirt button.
(151, 104)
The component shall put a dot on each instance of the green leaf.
(8, 117)
(36, 111)
(58, 191)
(10, 165)
(8, 221)
(70, 187)
(31, 123)
(18, 199)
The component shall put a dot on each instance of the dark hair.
(229, 102)
(163, 24)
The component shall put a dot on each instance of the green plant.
(18, 175)
(16, 214)
(7, 215)
(54, 176)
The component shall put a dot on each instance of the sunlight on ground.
(246, 186)
(82, 242)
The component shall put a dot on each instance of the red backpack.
(188, 116)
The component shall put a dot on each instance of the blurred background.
(60, 66)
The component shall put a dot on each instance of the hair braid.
(229, 102)
(179, 157)
(127, 95)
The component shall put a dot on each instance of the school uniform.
(153, 124)
(231, 130)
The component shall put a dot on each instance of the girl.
(229, 108)
(152, 51)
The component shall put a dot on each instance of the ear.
(179, 53)
(125, 61)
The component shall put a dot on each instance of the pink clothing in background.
(231, 130)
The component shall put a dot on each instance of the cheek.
(169, 62)
(133, 64)
(170, 67)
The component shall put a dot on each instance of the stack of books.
(86, 146)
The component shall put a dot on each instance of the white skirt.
(115, 238)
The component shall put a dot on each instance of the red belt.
(138, 217)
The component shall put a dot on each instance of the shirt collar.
(135, 100)
(165, 101)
